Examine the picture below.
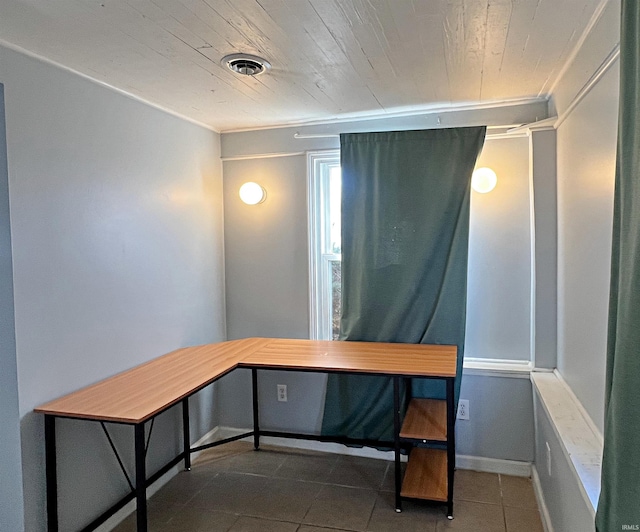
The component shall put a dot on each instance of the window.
(324, 188)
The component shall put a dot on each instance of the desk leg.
(256, 420)
(186, 434)
(396, 439)
(51, 472)
(451, 445)
(141, 479)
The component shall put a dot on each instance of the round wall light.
(484, 180)
(252, 193)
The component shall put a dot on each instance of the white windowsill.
(581, 440)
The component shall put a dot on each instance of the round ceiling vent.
(245, 64)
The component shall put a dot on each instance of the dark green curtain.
(619, 503)
(405, 231)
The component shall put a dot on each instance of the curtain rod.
(335, 135)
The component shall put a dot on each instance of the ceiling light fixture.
(246, 64)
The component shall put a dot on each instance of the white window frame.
(319, 164)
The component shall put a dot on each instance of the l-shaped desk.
(141, 393)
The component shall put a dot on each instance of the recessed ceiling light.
(245, 64)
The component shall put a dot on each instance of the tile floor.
(234, 489)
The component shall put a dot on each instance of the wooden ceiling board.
(329, 57)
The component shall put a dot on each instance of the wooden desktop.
(138, 395)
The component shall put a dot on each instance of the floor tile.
(415, 517)
(476, 486)
(284, 500)
(234, 489)
(230, 492)
(262, 462)
(305, 528)
(181, 488)
(473, 517)
(314, 468)
(341, 507)
(389, 481)
(517, 492)
(252, 524)
(519, 519)
(197, 520)
(158, 515)
(359, 472)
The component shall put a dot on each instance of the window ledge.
(580, 439)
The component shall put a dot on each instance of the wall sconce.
(252, 193)
(484, 180)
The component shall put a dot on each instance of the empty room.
(319, 265)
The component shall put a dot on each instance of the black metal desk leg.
(256, 420)
(186, 434)
(451, 445)
(396, 439)
(141, 479)
(51, 472)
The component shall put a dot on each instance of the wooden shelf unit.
(427, 473)
(426, 420)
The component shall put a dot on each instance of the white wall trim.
(262, 156)
(426, 110)
(580, 407)
(542, 505)
(51, 62)
(593, 80)
(597, 14)
(476, 463)
(493, 367)
(130, 507)
(580, 445)
(494, 465)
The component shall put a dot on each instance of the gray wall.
(499, 274)
(116, 221)
(11, 507)
(586, 171)
(266, 254)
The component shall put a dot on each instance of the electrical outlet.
(463, 409)
(548, 458)
(282, 393)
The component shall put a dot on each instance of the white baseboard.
(476, 463)
(544, 511)
(130, 507)
(494, 465)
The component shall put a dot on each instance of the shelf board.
(426, 475)
(426, 419)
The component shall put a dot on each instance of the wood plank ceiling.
(330, 58)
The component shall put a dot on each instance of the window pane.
(336, 297)
(335, 193)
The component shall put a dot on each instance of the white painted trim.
(517, 133)
(581, 448)
(37, 57)
(597, 14)
(130, 507)
(593, 80)
(542, 505)
(494, 465)
(262, 156)
(492, 367)
(580, 407)
(514, 131)
(540, 125)
(426, 110)
(476, 463)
